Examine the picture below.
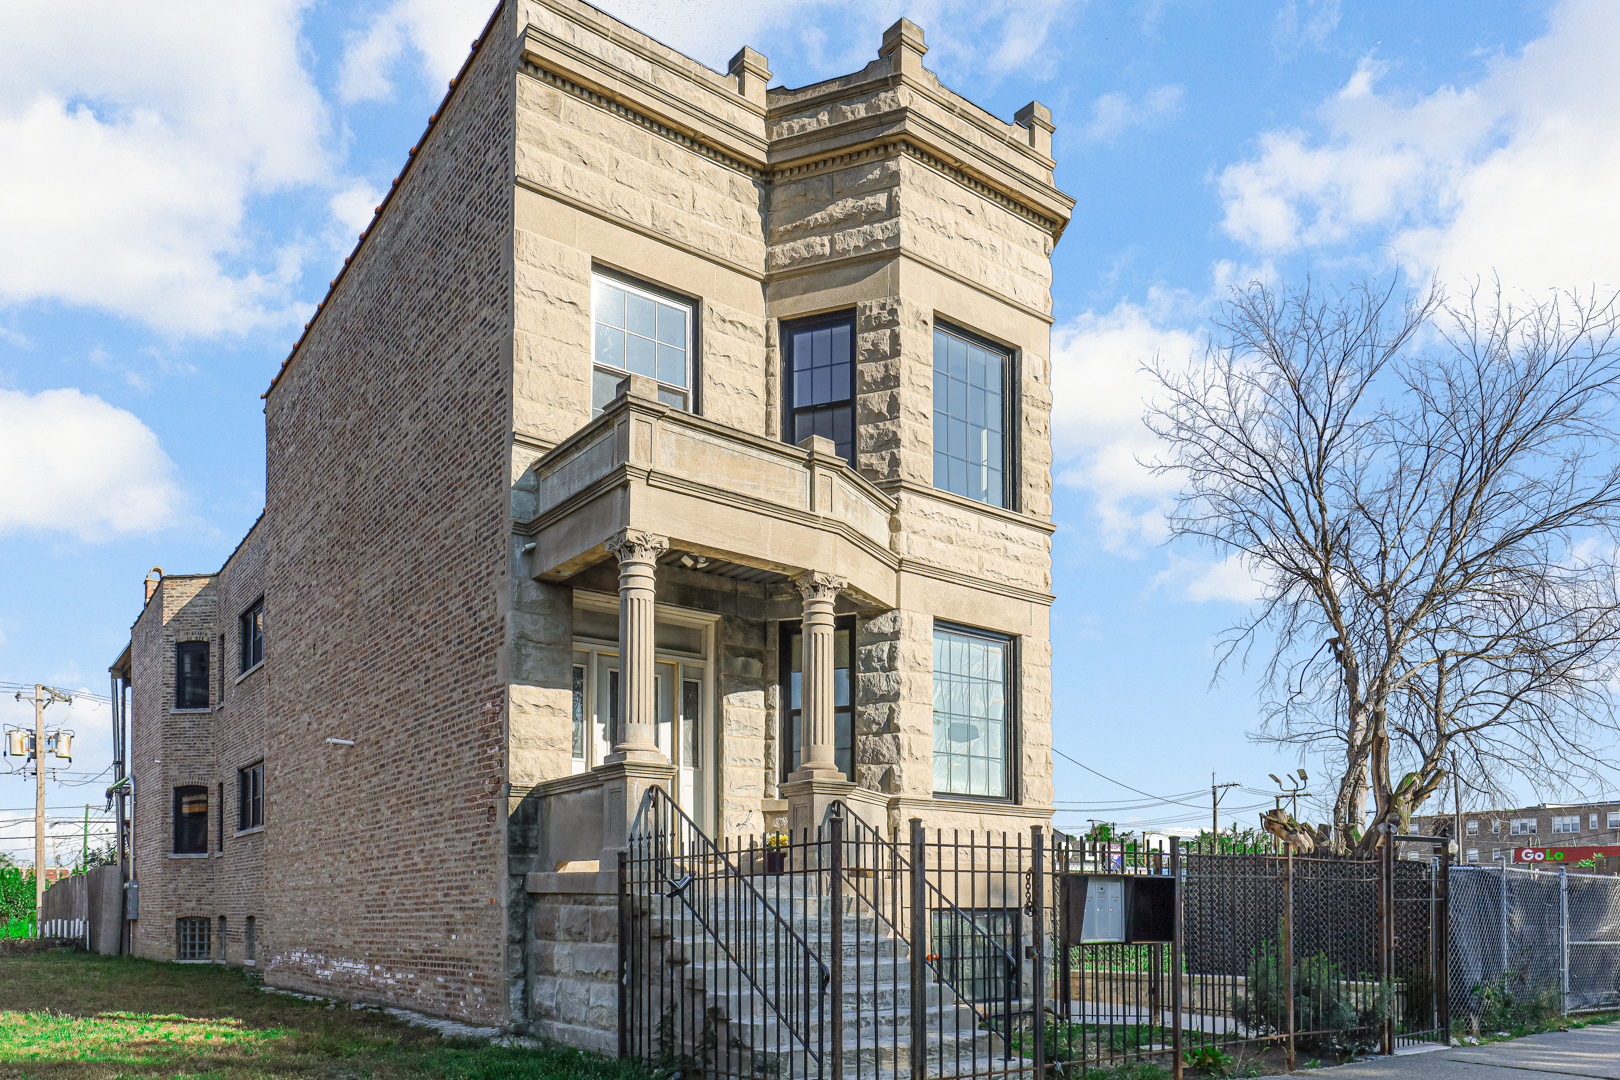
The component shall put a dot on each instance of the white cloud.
(1202, 580)
(1512, 174)
(138, 139)
(438, 33)
(1099, 393)
(354, 207)
(1308, 27)
(1115, 113)
(70, 462)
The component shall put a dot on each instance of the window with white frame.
(1473, 828)
(1496, 828)
(971, 729)
(1614, 819)
(1566, 823)
(639, 332)
(1522, 826)
(1593, 824)
(1473, 855)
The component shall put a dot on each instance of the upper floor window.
(969, 410)
(970, 713)
(250, 631)
(191, 675)
(1566, 823)
(819, 362)
(638, 332)
(1522, 826)
(1473, 828)
(191, 820)
(1593, 824)
(250, 789)
(1472, 855)
(1614, 819)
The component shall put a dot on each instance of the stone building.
(662, 428)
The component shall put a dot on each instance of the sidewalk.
(1589, 1052)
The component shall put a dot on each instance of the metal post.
(1288, 946)
(1563, 940)
(1443, 957)
(835, 890)
(624, 967)
(1503, 905)
(39, 811)
(1175, 962)
(1038, 941)
(919, 949)
(1386, 927)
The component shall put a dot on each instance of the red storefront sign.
(1570, 855)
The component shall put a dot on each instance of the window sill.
(204, 709)
(188, 855)
(249, 671)
(250, 962)
(249, 831)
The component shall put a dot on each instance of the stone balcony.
(713, 491)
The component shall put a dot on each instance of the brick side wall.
(386, 480)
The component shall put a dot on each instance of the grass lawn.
(66, 1014)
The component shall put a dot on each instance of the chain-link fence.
(1528, 945)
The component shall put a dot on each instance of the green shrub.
(1339, 1018)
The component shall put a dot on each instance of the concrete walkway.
(1588, 1052)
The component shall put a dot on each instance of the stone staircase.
(745, 1034)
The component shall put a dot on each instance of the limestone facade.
(509, 589)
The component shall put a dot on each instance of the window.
(970, 713)
(223, 939)
(1593, 825)
(250, 791)
(1522, 826)
(1496, 828)
(1566, 823)
(192, 939)
(250, 632)
(191, 675)
(1614, 819)
(819, 361)
(968, 417)
(250, 942)
(793, 691)
(1473, 828)
(1413, 829)
(191, 820)
(1472, 855)
(578, 741)
(638, 332)
(219, 830)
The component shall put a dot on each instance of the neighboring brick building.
(654, 411)
(1489, 836)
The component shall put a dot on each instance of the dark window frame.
(1013, 724)
(250, 796)
(250, 636)
(790, 629)
(1010, 428)
(694, 365)
(790, 408)
(189, 834)
(184, 689)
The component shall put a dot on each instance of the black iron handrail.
(859, 832)
(655, 804)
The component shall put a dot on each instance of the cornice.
(882, 144)
(909, 565)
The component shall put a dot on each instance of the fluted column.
(818, 753)
(637, 553)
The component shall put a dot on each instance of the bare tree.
(1429, 494)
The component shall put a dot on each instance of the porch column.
(818, 754)
(637, 552)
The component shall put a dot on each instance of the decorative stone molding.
(817, 587)
(633, 545)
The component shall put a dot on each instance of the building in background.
(662, 429)
(1491, 836)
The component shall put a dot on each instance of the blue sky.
(182, 180)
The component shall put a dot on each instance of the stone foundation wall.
(573, 959)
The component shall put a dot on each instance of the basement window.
(192, 939)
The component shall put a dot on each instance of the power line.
(1127, 787)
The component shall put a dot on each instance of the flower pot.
(775, 862)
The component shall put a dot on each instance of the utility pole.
(1456, 803)
(43, 696)
(1215, 809)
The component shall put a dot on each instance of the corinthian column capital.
(816, 586)
(633, 545)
